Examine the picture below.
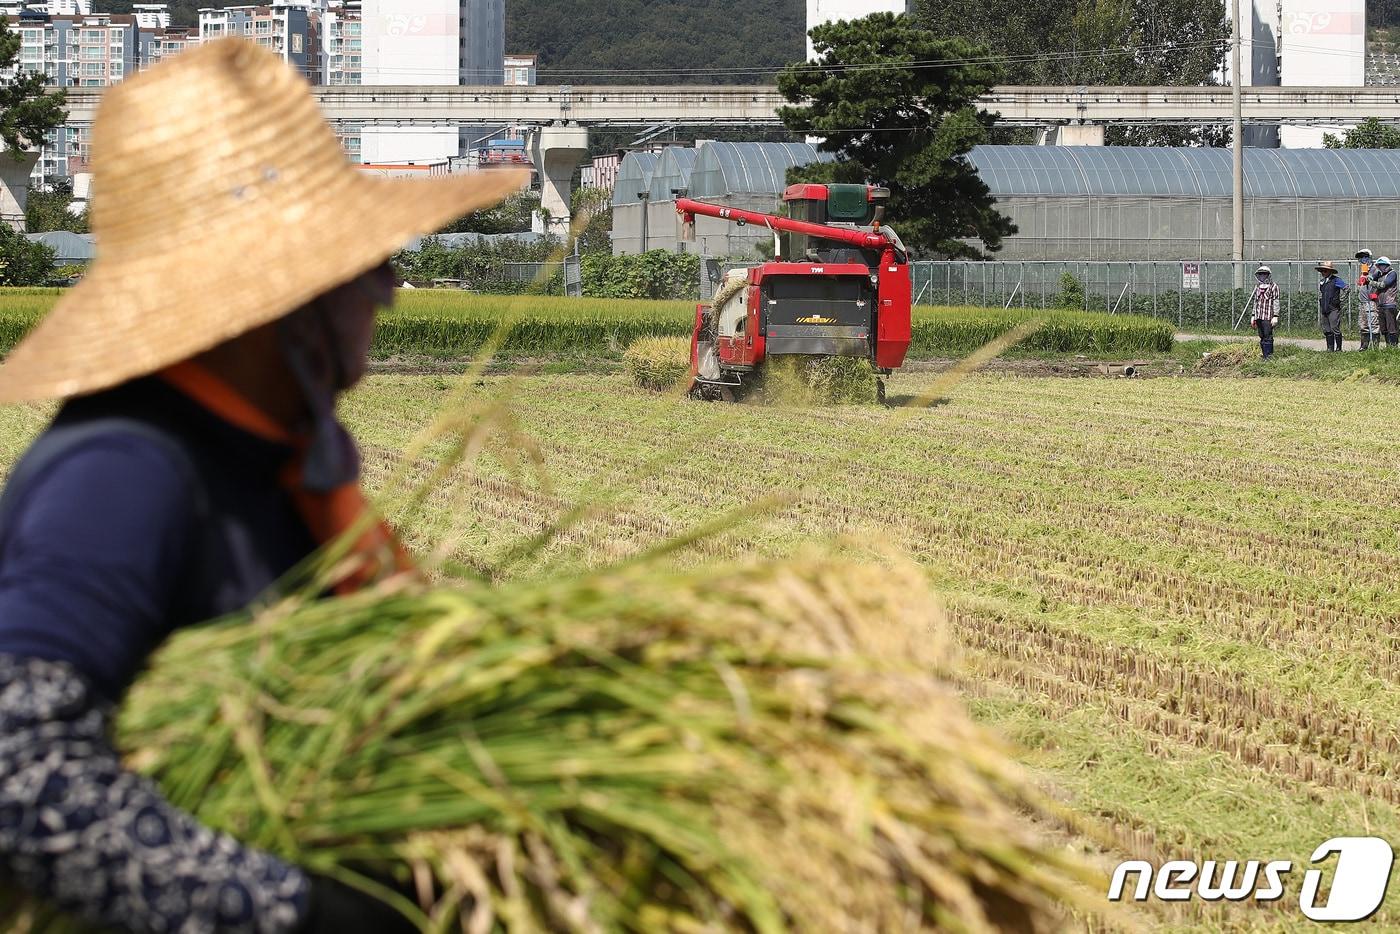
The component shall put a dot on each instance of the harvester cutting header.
(838, 286)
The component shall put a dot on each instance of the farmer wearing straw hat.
(1329, 304)
(195, 461)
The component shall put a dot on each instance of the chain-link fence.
(503, 278)
(1209, 296)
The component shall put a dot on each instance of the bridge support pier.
(1072, 134)
(14, 185)
(557, 151)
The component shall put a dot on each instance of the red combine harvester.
(838, 287)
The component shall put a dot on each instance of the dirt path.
(1307, 343)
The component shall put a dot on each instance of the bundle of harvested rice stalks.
(658, 363)
(763, 748)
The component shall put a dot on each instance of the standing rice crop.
(959, 331)
(453, 324)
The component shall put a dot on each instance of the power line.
(818, 67)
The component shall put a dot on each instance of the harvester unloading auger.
(838, 286)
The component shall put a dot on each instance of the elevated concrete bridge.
(693, 105)
(562, 114)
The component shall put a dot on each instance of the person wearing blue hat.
(1383, 282)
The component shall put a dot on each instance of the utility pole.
(1237, 253)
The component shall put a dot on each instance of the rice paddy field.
(1178, 601)
(1177, 597)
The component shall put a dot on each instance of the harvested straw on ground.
(761, 748)
(811, 380)
(658, 363)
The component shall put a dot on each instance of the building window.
(297, 43)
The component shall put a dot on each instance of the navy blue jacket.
(1329, 296)
(120, 539)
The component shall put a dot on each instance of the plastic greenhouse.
(1148, 203)
(747, 175)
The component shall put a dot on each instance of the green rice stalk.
(448, 324)
(766, 747)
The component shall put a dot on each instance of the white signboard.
(1190, 275)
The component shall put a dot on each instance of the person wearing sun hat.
(1329, 304)
(194, 463)
(1265, 317)
(1383, 284)
(1368, 319)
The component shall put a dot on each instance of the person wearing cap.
(1265, 316)
(194, 463)
(1329, 304)
(1368, 318)
(1383, 287)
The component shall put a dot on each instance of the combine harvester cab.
(838, 287)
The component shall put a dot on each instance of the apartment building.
(161, 43)
(521, 70)
(74, 50)
(151, 15)
(293, 32)
(342, 27)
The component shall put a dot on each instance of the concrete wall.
(410, 42)
(1323, 44)
(831, 11)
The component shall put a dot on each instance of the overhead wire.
(917, 65)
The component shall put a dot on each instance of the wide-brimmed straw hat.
(221, 201)
(1325, 267)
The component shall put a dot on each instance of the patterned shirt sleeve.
(100, 841)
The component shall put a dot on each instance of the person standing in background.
(1265, 317)
(1368, 319)
(1329, 304)
(1383, 286)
